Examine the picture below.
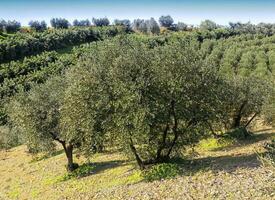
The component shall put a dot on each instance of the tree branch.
(253, 117)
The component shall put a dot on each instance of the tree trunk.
(212, 130)
(253, 117)
(175, 129)
(238, 117)
(71, 166)
(236, 122)
(68, 151)
(138, 159)
(163, 143)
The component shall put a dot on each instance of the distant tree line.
(148, 26)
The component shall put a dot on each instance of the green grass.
(212, 144)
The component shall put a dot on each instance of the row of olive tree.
(19, 46)
(249, 68)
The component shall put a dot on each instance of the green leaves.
(245, 63)
(147, 96)
(37, 114)
(21, 45)
(140, 94)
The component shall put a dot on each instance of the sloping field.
(231, 172)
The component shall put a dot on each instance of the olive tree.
(38, 26)
(38, 114)
(124, 22)
(166, 21)
(3, 24)
(60, 23)
(208, 25)
(182, 26)
(152, 102)
(169, 94)
(101, 21)
(12, 26)
(81, 23)
(247, 28)
(249, 81)
(146, 26)
(152, 26)
(136, 24)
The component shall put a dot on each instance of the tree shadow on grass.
(220, 163)
(46, 156)
(102, 166)
(263, 130)
(188, 167)
(254, 138)
(260, 137)
(88, 169)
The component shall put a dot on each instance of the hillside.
(217, 172)
(137, 110)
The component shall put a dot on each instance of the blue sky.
(188, 11)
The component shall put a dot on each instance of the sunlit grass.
(212, 144)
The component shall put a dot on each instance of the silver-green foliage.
(151, 101)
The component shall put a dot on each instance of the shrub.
(81, 171)
(161, 171)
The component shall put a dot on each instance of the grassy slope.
(216, 173)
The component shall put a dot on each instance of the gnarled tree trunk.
(236, 123)
(71, 166)
(138, 159)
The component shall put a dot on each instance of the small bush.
(81, 171)
(161, 171)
